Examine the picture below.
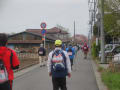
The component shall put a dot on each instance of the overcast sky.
(18, 15)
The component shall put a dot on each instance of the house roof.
(49, 31)
(37, 32)
(56, 30)
(33, 33)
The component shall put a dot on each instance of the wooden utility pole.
(74, 31)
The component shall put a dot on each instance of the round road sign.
(43, 25)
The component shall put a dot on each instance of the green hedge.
(95, 50)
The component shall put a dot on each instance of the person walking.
(8, 62)
(42, 54)
(85, 50)
(71, 53)
(59, 66)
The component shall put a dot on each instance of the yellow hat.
(58, 42)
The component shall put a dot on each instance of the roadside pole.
(74, 32)
(102, 33)
(43, 32)
(44, 40)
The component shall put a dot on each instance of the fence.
(114, 63)
(27, 55)
(114, 59)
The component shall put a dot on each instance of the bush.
(95, 50)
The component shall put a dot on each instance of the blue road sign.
(43, 31)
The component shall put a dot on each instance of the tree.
(111, 24)
(114, 5)
(112, 19)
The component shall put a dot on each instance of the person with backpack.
(42, 54)
(8, 62)
(71, 53)
(59, 66)
(85, 50)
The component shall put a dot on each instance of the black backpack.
(41, 51)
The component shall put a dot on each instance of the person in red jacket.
(10, 62)
(85, 50)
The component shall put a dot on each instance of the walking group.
(59, 63)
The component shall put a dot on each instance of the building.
(31, 39)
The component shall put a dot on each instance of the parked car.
(110, 49)
(113, 52)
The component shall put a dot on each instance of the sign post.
(44, 41)
(43, 32)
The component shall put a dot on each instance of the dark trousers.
(59, 83)
(71, 61)
(6, 86)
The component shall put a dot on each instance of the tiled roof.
(49, 31)
(57, 30)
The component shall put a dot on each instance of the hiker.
(59, 66)
(8, 62)
(85, 50)
(71, 53)
(63, 46)
(42, 54)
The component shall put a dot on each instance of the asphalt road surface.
(83, 77)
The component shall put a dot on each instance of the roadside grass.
(109, 76)
(100, 69)
(111, 79)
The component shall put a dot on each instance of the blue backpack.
(58, 61)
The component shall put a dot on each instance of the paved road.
(82, 78)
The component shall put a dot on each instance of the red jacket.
(5, 54)
(85, 48)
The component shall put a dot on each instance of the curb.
(26, 70)
(100, 84)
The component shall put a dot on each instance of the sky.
(18, 15)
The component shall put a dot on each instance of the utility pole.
(102, 33)
(74, 31)
(94, 10)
